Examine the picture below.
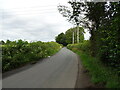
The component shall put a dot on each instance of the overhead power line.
(36, 13)
(29, 7)
(29, 12)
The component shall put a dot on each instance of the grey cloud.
(33, 28)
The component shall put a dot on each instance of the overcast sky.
(32, 20)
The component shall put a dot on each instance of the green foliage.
(61, 39)
(106, 33)
(109, 45)
(100, 74)
(104, 41)
(104, 29)
(69, 35)
(67, 38)
(18, 53)
(84, 46)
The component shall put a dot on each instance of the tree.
(2, 42)
(73, 14)
(67, 37)
(69, 34)
(61, 39)
(102, 19)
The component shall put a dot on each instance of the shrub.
(84, 46)
(18, 53)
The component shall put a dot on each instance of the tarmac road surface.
(57, 71)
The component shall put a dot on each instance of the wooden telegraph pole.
(77, 33)
(73, 37)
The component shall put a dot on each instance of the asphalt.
(57, 71)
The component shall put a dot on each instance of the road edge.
(83, 78)
(24, 67)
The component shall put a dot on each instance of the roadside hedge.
(18, 53)
(84, 46)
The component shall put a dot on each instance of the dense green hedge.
(108, 54)
(84, 46)
(101, 74)
(18, 53)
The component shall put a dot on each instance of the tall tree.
(67, 38)
(73, 14)
(61, 39)
(69, 35)
(102, 19)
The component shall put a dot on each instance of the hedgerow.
(18, 53)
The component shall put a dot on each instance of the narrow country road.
(58, 71)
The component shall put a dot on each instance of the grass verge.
(101, 75)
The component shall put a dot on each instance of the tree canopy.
(102, 19)
(61, 39)
(67, 38)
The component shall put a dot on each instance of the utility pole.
(77, 33)
(73, 37)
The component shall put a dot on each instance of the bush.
(84, 46)
(101, 75)
(18, 53)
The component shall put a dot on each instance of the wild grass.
(100, 74)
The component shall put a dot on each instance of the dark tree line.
(61, 39)
(67, 38)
